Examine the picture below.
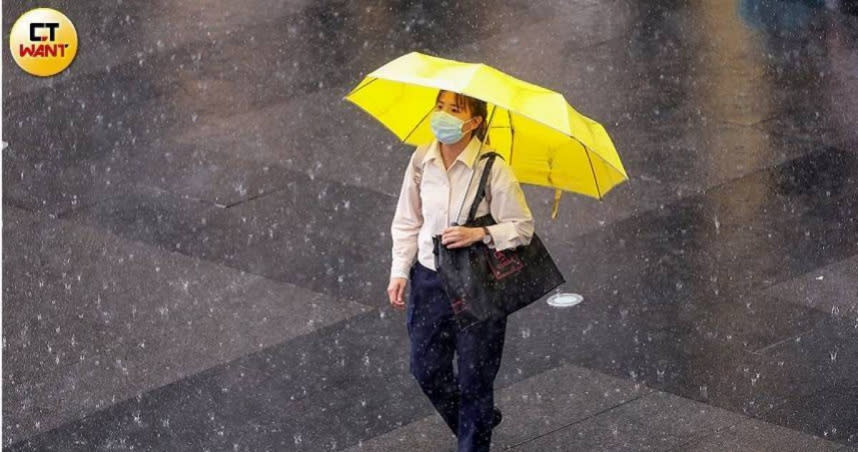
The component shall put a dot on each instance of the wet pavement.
(196, 229)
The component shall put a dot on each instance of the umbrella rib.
(361, 87)
(600, 157)
(418, 124)
(593, 170)
(511, 135)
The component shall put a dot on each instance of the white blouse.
(428, 204)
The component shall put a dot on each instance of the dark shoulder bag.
(484, 283)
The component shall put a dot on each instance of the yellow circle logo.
(43, 42)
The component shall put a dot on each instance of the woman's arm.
(509, 208)
(406, 223)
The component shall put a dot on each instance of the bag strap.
(481, 189)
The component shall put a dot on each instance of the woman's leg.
(433, 342)
(480, 348)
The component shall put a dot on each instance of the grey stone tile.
(754, 435)
(150, 215)
(53, 291)
(57, 169)
(777, 380)
(318, 375)
(536, 405)
(824, 359)
(428, 434)
(668, 340)
(57, 180)
(757, 322)
(222, 177)
(656, 421)
(686, 340)
(750, 384)
(314, 375)
(113, 52)
(558, 397)
(697, 239)
(828, 352)
(615, 435)
(180, 316)
(324, 235)
(831, 289)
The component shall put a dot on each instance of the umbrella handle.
(557, 194)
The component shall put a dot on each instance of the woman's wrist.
(485, 236)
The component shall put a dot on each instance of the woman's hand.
(459, 236)
(396, 292)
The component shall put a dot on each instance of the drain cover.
(562, 300)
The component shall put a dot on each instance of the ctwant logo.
(43, 42)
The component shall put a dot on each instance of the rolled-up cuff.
(504, 235)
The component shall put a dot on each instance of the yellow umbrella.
(544, 140)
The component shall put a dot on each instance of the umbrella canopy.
(543, 139)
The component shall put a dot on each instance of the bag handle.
(481, 189)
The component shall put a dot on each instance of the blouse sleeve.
(407, 222)
(509, 208)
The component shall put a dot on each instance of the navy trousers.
(464, 399)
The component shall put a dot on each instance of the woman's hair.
(477, 107)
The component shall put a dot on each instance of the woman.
(437, 181)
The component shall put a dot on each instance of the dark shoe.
(496, 419)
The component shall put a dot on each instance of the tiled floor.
(196, 230)
(572, 408)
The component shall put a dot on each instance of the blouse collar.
(466, 156)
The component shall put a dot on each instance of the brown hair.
(477, 107)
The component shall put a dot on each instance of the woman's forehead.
(449, 97)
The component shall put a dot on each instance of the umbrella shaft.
(474, 166)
